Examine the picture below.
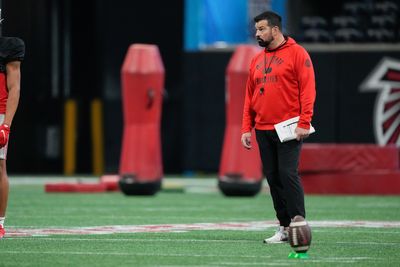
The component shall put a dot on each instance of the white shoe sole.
(274, 242)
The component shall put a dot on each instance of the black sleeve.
(13, 49)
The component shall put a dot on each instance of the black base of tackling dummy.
(234, 185)
(131, 187)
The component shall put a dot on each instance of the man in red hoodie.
(280, 86)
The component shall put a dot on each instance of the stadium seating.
(345, 22)
(380, 35)
(358, 21)
(317, 36)
(350, 35)
(314, 22)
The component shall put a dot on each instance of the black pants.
(280, 165)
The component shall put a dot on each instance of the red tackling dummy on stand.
(142, 77)
(240, 171)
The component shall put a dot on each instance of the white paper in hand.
(285, 129)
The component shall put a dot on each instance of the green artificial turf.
(30, 207)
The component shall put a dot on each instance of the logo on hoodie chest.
(269, 69)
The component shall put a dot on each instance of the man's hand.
(301, 133)
(4, 132)
(246, 140)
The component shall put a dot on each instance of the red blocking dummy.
(240, 171)
(142, 77)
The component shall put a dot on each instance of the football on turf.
(299, 234)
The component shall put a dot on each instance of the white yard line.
(160, 228)
(135, 240)
(130, 254)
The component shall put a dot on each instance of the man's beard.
(263, 43)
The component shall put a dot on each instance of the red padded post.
(142, 77)
(348, 157)
(239, 167)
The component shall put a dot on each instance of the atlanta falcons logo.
(385, 78)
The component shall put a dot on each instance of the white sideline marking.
(134, 240)
(160, 228)
(253, 263)
(152, 240)
(336, 260)
(370, 243)
(129, 254)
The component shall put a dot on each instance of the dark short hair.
(272, 18)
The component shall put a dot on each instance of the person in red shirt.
(280, 86)
(12, 51)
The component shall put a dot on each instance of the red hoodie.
(286, 91)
